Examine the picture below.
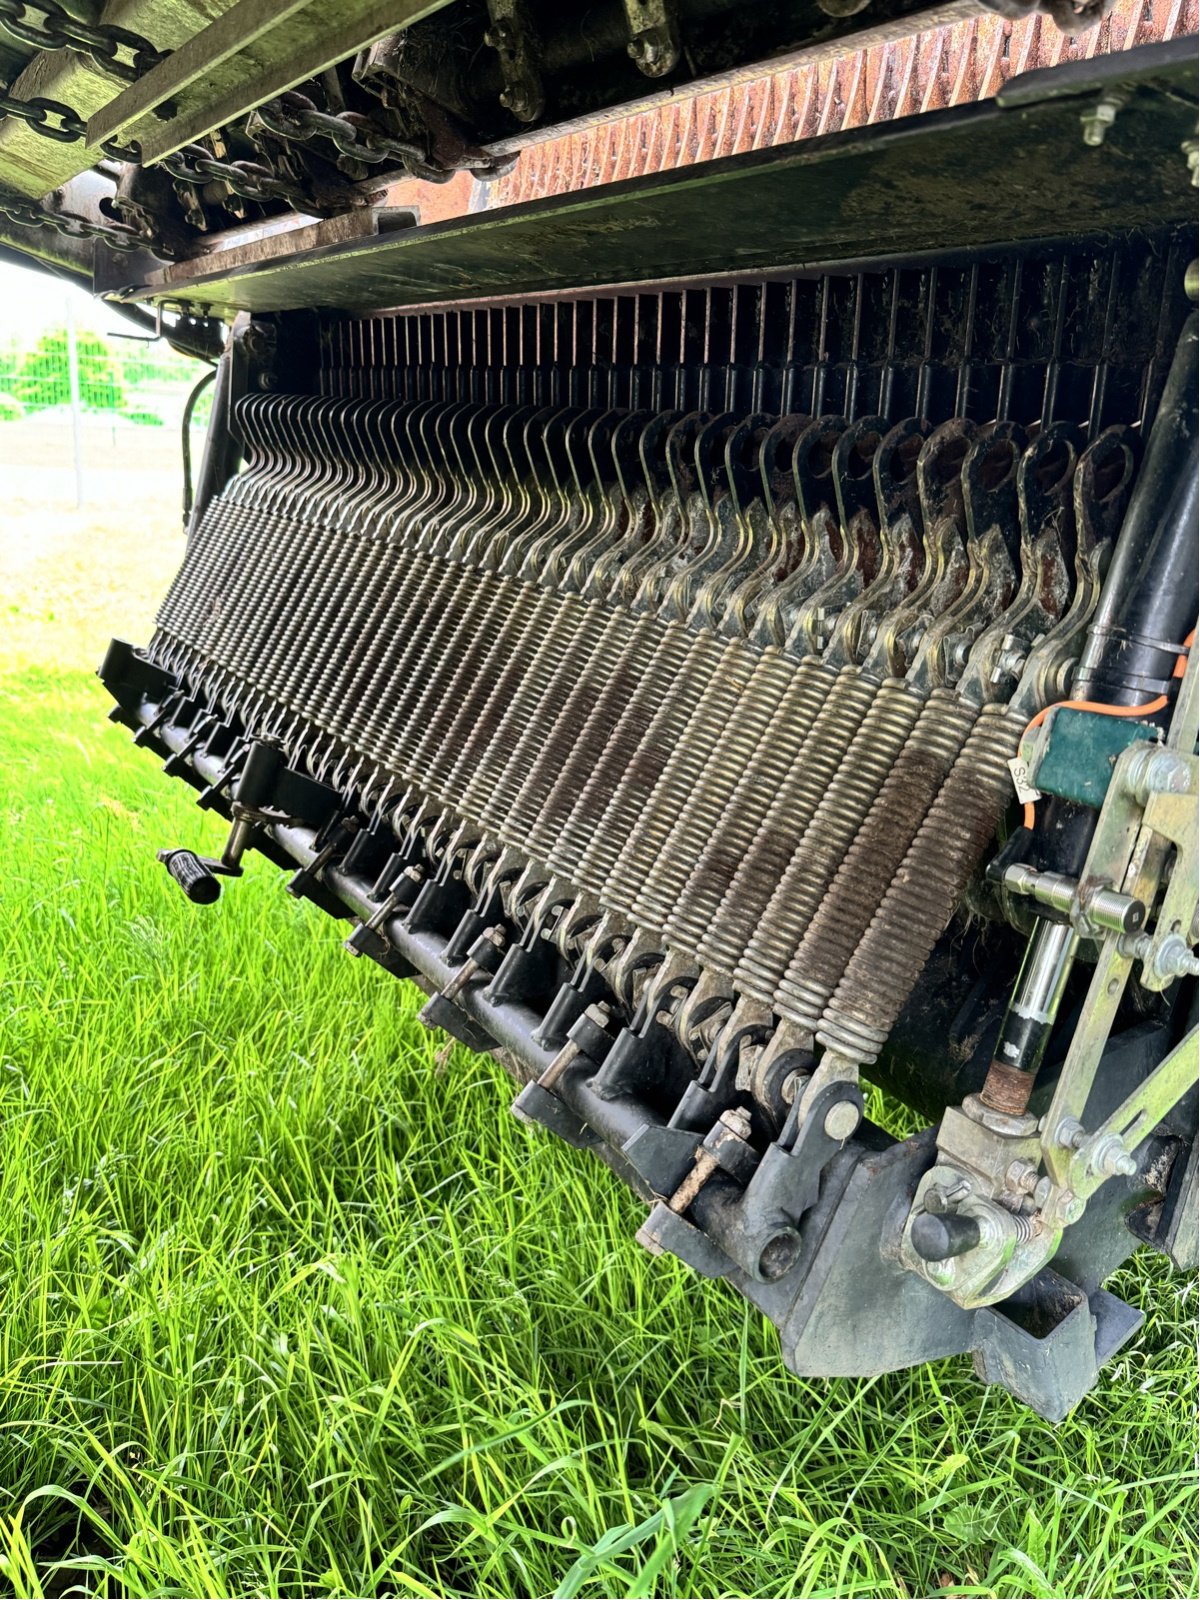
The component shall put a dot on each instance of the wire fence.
(88, 418)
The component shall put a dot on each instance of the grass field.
(290, 1305)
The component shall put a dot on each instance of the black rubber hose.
(186, 438)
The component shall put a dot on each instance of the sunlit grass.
(290, 1306)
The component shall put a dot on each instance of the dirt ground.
(71, 579)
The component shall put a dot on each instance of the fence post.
(76, 405)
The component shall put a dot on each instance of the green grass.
(290, 1305)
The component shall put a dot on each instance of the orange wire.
(1148, 709)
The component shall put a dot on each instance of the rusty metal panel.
(955, 64)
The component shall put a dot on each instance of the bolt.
(1070, 1134)
(841, 1120)
(1008, 664)
(564, 1058)
(1159, 772)
(1069, 1207)
(1168, 774)
(943, 1197)
(1098, 119)
(1174, 960)
(958, 652)
(790, 1087)
(737, 1123)
(1022, 1176)
(910, 640)
(1135, 946)
(1112, 1159)
(1191, 149)
(737, 1120)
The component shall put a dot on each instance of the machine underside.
(727, 637)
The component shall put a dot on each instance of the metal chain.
(61, 31)
(251, 180)
(30, 215)
(294, 117)
(54, 120)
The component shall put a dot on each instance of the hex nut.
(1069, 1207)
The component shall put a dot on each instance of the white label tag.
(1026, 793)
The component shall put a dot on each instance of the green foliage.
(290, 1305)
(11, 410)
(147, 361)
(43, 377)
(148, 419)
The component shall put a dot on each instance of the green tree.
(43, 377)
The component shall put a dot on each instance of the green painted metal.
(1081, 751)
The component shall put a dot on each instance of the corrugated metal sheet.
(956, 64)
(948, 66)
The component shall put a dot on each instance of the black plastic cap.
(192, 876)
(938, 1235)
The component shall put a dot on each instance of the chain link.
(28, 214)
(54, 120)
(60, 31)
(251, 180)
(294, 117)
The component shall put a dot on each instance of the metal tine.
(223, 522)
(627, 517)
(498, 625)
(332, 507)
(636, 652)
(910, 557)
(714, 551)
(435, 602)
(525, 666)
(929, 881)
(786, 807)
(732, 743)
(642, 885)
(578, 510)
(227, 583)
(1044, 479)
(627, 650)
(418, 600)
(533, 749)
(921, 715)
(249, 511)
(267, 623)
(473, 541)
(490, 611)
(548, 762)
(341, 608)
(699, 646)
(386, 584)
(506, 516)
(466, 740)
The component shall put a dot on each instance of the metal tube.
(1148, 603)
(1030, 1017)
